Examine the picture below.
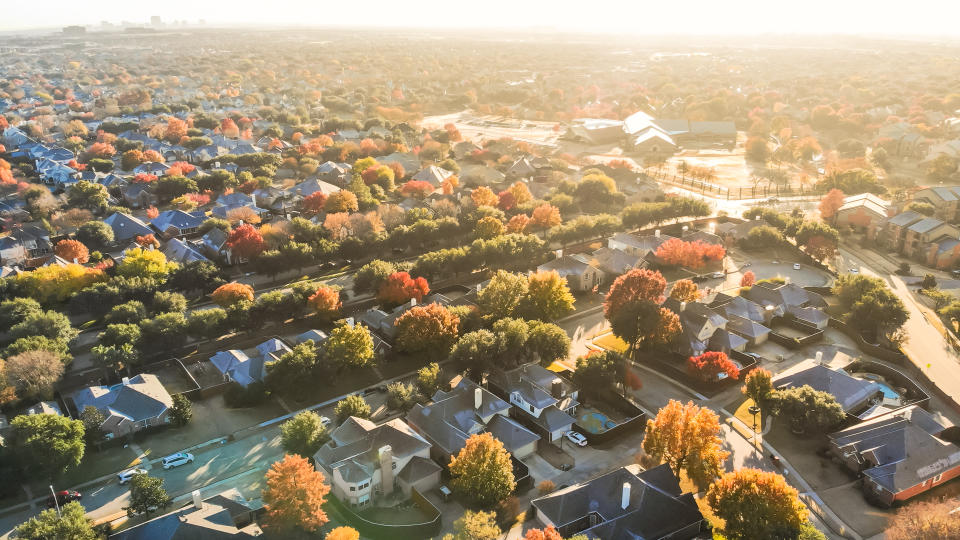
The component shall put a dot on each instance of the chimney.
(786, 280)
(685, 229)
(216, 164)
(386, 469)
(656, 233)
(253, 199)
(820, 357)
(558, 253)
(477, 397)
(413, 302)
(126, 381)
(349, 321)
(197, 501)
(683, 306)
(556, 389)
(625, 496)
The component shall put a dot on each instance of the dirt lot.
(479, 127)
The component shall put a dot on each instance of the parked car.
(854, 270)
(128, 475)
(325, 421)
(796, 266)
(63, 497)
(176, 460)
(576, 438)
(717, 275)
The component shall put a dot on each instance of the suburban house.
(542, 400)
(862, 212)
(24, 243)
(614, 262)
(703, 329)
(943, 252)
(468, 409)
(237, 366)
(790, 300)
(138, 195)
(579, 271)
(314, 185)
(945, 201)
(623, 503)
(214, 244)
(641, 246)
(126, 227)
(900, 454)
(363, 461)
(895, 230)
(432, 174)
(224, 516)
(923, 233)
(856, 396)
(137, 403)
(182, 252)
(177, 223)
(732, 231)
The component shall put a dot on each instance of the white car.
(324, 421)
(854, 270)
(576, 438)
(717, 275)
(796, 266)
(126, 476)
(176, 460)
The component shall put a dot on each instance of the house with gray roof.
(224, 516)
(177, 223)
(853, 394)
(244, 369)
(945, 201)
(542, 400)
(862, 211)
(23, 243)
(467, 410)
(624, 504)
(922, 234)
(363, 461)
(702, 329)
(137, 403)
(579, 271)
(615, 262)
(177, 250)
(641, 246)
(900, 454)
(432, 174)
(126, 227)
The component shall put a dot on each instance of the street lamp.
(55, 501)
(754, 410)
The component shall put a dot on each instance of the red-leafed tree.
(72, 250)
(313, 203)
(748, 279)
(180, 168)
(400, 287)
(636, 285)
(830, 203)
(176, 129)
(418, 189)
(146, 240)
(693, 255)
(144, 178)
(709, 365)
(152, 212)
(101, 150)
(229, 128)
(507, 200)
(245, 241)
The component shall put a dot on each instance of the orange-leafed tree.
(521, 193)
(342, 533)
(431, 330)
(830, 203)
(636, 285)
(693, 255)
(229, 294)
(180, 168)
(482, 471)
(176, 129)
(101, 150)
(229, 128)
(544, 216)
(687, 438)
(757, 504)
(294, 497)
(152, 212)
(146, 240)
(484, 196)
(244, 214)
(131, 158)
(543, 534)
(245, 241)
(449, 185)
(418, 189)
(748, 279)
(399, 287)
(144, 178)
(72, 250)
(685, 290)
(313, 203)
(518, 223)
(709, 365)
(153, 156)
(342, 201)
(326, 302)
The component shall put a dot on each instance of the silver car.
(128, 475)
(176, 460)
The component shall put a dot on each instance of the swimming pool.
(594, 421)
(890, 395)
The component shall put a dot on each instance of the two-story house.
(895, 230)
(177, 223)
(578, 270)
(945, 201)
(921, 235)
(363, 461)
(542, 400)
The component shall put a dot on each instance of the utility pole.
(56, 502)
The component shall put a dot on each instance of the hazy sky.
(911, 17)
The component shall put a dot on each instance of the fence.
(636, 418)
(674, 365)
(738, 193)
(410, 531)
(914, 393)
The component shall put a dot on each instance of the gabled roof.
(850, 392)
(433, 174)
(126, 227)
(182, 252)
(140, 399)
(354, 445)
(904, 219)
(566, 265)
(178, 219)
(925, 225)
(867, 201)
(313, 185)
(215, 521)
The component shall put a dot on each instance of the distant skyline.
(641, 17)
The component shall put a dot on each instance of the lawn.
(610, 342)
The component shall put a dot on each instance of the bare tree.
(34, 373)
(926, 521)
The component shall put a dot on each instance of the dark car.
(63, 497)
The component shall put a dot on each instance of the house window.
(353, 488)
(530, 407)
(393, 465)
(937, 478)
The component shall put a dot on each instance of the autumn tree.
(685, 290)
(757, 504)
(830, 203)
(484, 196)
(342, 533)
(475, 526)
(518, 223)
(341, 201)
(548, 297)
(325, 302)
(418, 189)
(642, 323)
(352, 405)
(33, 374)
(430, 330)
(399, 287)
(350, 346)
(294, 497)
(488, 227)
(543, 534)
(710, 365)
(72, 250)
(482, 471)
(758, 386)
(687, 438)
(544, 216)
(748, 279)
(635, 285)
(925, 520)
(694, 255)
(502, 295)
(245, 241)
(229, 294)
(303, 434)
(145, 263)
